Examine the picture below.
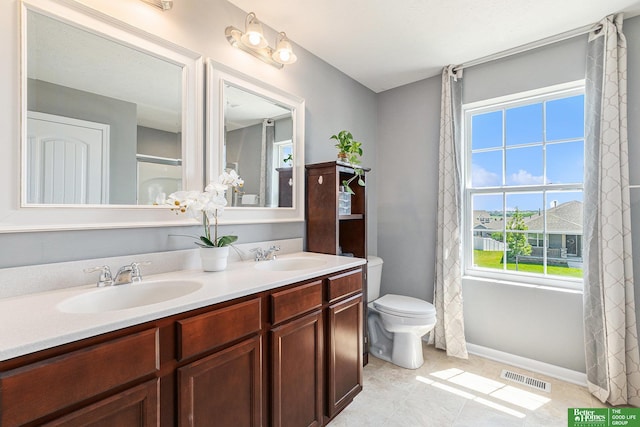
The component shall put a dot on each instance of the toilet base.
(400, 348)
(410, 354)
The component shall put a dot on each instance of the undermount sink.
(128, 296)
(289, 264)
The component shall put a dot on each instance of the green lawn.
(491, 259)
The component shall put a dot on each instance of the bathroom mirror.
(111, 119)
(258, 131)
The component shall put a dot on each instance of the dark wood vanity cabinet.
(286, 357)
(226, 385)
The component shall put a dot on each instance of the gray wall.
(121, 117)
(409, 119)
(160, 143)
(532, 322)
(246, 144)
(333, 102)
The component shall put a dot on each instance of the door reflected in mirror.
(104, 120)
(258, 145)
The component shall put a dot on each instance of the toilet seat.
(403, 306)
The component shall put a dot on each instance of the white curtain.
(611, 344)
(447, 295)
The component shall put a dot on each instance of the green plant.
(349, 151)
(517, 242)
(288, 160)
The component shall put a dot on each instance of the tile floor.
(447, 391)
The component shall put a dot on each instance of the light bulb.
(253, 36)
(254, 39)
(285, 55)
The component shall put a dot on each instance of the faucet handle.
(260, 255)
(106, 278)
(272, 250)
(136, 275)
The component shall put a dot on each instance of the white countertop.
(33, 322)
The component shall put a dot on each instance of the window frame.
(545, 94)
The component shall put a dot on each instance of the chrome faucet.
(105, 279)
(265, 254)
(125, 275)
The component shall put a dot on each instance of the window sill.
(545, 283)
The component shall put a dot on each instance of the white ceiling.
(384, 44)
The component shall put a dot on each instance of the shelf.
(350, 217)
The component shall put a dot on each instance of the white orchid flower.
(207, 205)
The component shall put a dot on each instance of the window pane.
(486, 130)
(521, 255)
(488, 224)
(565, 163)
(529, 206)
(561, 255)
(486, 169)
(565, 118)
(564, 212)
(524, 124)
(524, 166)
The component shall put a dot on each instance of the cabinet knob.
(320, 179)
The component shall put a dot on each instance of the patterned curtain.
(611, 344)
(447, 295)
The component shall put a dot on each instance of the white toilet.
(396, 323)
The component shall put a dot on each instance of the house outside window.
(523, 186)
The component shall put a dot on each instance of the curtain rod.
(529, 46)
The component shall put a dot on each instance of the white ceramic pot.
(214, 258)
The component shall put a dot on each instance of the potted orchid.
(208, 205)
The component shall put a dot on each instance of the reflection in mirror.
(104, 120)
(258, 144)
(257, 130)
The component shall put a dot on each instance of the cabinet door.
(344, 353)
(223, 389)
(297, 372)
(135, 407)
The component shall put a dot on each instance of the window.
(524, 167)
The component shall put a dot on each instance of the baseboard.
(554, 371)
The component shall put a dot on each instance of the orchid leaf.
(226, 240)
(206, 241)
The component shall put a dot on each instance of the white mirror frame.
(17, 216)
(217, 76)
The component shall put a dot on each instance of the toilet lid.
(404, 306)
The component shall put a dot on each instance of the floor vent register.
(526, 380)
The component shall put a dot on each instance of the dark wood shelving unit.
(329, 232)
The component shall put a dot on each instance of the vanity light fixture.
(283, 53)
(162, 4)
(253, 41)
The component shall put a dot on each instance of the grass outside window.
(493, 260)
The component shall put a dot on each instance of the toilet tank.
(374, 276)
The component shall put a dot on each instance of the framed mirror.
(258, 131)
(111, 120)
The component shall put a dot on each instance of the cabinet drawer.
(210, 330)
(344, 284)
(295, 301)
(29, 392)
(137, 406)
